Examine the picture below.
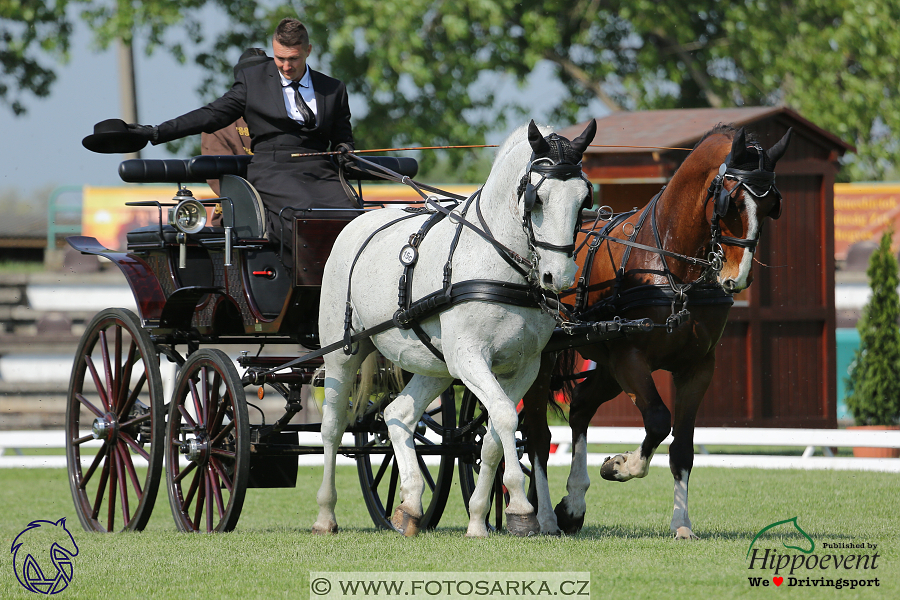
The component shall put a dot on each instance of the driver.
(289, 108)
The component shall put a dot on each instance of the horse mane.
(729, 131)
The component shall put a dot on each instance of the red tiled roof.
(677, 128)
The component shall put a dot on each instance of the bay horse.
(687, 251)
(482, 317)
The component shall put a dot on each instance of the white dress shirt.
(306, 91)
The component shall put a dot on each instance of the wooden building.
(776, 359)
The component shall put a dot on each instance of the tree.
(28, 28)
(874, 383)
(427, 69)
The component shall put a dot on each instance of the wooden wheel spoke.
(392, 488)
(185, 472)
(96, 377)
(133, 396)
(214, 405)
(124, 404)
(79, 441)
(223, 476)
(216, 490)
(221, 435)
(204, 395)
(134, 446)
(135, 421)
(87, 404)
(96, 462)
(207, 487)
(111, 502)
(132, 473)
(98, 499)
(120, 476)
(117, 386)
(222, 453)
(187, 417)
(192, 489)
(385, 462)
(425, 472)
(195, 397)
(107, 370)
(419, 437)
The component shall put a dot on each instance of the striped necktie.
(309, 119)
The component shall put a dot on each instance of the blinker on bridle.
(547, 168)
(752, 182)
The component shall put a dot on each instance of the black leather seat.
(148, 235)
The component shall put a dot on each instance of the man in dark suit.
(289, 109)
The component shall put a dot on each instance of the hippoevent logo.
(42, 556)
(838, 564)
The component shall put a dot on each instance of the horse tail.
(378, 380)
(561, 377)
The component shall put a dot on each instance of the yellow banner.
(104, 215)
(862, 212)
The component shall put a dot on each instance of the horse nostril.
(548, 279)
(728, 285)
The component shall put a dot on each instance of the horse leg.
(637, 381)
(495, 394)
(537, 434)
(690, 387)
(479, 502)
(599, 387)
(401, 417)
(340, 373)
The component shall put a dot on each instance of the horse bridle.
(751, 182)
(527, 192)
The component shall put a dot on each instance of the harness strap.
(480, 290)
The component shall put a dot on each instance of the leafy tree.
(26, 28)
(874, 383)
(427, 69)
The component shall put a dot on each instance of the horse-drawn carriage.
(201, 288)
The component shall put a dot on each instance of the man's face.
(291, 60)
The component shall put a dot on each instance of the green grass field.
(625, 545)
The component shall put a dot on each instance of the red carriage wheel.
(115, 397)
(207, 444)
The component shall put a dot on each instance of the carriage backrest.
(245, 211)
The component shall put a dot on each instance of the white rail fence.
(13, 442)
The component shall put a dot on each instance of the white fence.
(13, 442)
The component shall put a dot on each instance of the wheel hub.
(104, 427)
(195, 449)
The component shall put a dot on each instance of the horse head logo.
(42, 556)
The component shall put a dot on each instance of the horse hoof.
(405, 523)
(685, 533)
(610, 468)
(523, 525)
(329, 529)
(567, 523)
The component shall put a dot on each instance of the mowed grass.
(625, 545)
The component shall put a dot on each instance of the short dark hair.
(291, 32)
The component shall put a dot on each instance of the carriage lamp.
(189, 216)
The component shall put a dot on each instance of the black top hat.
(112, 137)
(250, 57)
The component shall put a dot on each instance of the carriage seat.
(149, 236)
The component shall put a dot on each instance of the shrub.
(874, 383)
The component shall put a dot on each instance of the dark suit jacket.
(257, 96)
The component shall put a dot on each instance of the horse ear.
(537, 141)
(61, 522)
(738, 146)
(775, 153)
(584, 140)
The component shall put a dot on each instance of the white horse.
(530, 204)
